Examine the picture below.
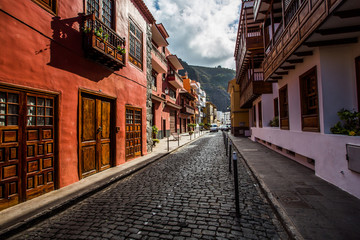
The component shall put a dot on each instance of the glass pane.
(41, 102)
(31, 111)
(40, 121)
(2, 97)
(48, 102)
(13, 98)
(31, 121)
(31, 100)
(13, 109)
(49, 111)
(48, 121)
(2, 108)
(2, 120)
(12, 120)
(41, 111)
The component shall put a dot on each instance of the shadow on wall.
(67, 51)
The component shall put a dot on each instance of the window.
(153, 80)
(260, 114)
(172, 93)
(357, 66)
(102, 9)
(49, 5)
(276, 107)
(309, 101)
(284, 108)
(254, 115)
(135, 43)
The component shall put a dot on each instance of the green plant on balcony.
(155, 131)
(121, 50)
(350, 124)
(274, 122)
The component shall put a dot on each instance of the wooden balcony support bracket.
(348, 13)
(303, 54)
(281, 73)
(340, 30)
(290, 67)
(292, 61)
(331, 42)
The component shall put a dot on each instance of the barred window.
(135, 43)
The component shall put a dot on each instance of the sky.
(202, 32)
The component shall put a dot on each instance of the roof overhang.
(173, 105)
(157, 36)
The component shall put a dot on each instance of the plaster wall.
(338, 76)
(47, 54)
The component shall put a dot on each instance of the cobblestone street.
(186, 195)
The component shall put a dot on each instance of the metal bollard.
(226, 144)
(168, 142)
(236, 184)
(230, 145)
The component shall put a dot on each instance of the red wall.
(47, 55)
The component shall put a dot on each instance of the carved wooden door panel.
(133, 141)
(172, 122)
(39, 164)
(27, 143)
(95, 136)
(10, 164)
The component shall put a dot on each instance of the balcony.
(187, 109)
(251, 41)
(158, 60)
(252, 87)
(175, 80)
(102, 44)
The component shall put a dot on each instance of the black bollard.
(226, 144)
(168, 142)
(236, 184)
(230, 145)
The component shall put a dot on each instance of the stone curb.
(21, 223)
(280, 212)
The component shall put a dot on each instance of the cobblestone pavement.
(187, 195)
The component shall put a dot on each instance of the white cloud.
(202, 32)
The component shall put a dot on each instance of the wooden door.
(133, 141)
(95, 135)
(172, 122)
(27, 146)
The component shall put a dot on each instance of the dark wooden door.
(39, 145)
(95, 135)
(27, 146)
(133, 141)
(172, 122)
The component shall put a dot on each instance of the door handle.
(99, 129)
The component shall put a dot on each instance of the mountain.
(214, 81)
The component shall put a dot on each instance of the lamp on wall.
(166, 91)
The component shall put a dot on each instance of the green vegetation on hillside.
(214, 81)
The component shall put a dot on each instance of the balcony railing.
(291, 9)
(102, 44)
(160, 55)
(187, 109)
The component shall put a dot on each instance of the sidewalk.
(23, 215)
(310, 207)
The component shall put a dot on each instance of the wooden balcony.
(301, 19)
(253, 87)
(158, 60)
(175, 80)
(187, 109)
(102, 44)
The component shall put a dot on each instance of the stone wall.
(149, 91)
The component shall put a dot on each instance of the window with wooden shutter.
(135, 44)
(254, 115)
(260, 114)
(284, 108)
(309, 101)
(357, 66)
(48, 5)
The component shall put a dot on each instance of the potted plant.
(120, 49)
(274, 122)
(350, 124)
(155, 141)
(155, 131)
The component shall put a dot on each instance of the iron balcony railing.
(160, 55)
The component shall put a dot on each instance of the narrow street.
(186, 195)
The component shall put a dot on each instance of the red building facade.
(73, 91)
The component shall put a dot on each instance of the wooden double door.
(96, 138)
(27, 145)
(133, 141)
